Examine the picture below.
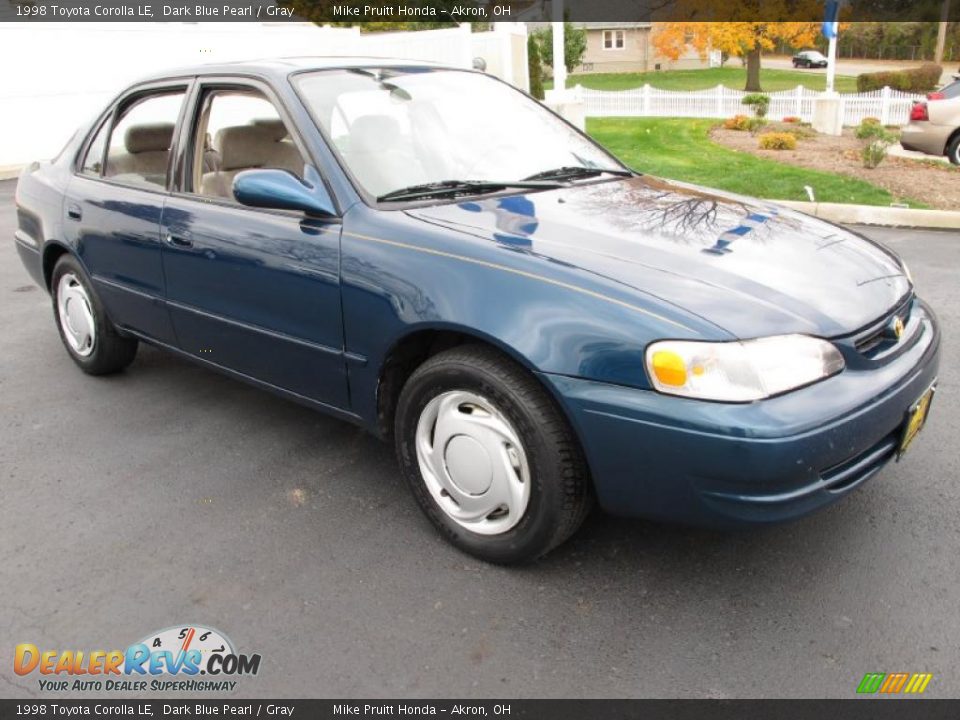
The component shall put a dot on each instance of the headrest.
(148, 138)
(373, 133)
(273, 126)
(245, 146)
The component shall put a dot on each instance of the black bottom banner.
(854, 709)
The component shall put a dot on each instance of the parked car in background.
(947, 92)
(934, 126)
(810, 59)
(433, 255)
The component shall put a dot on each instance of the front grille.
(879, 337)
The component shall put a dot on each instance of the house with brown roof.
(620, 47)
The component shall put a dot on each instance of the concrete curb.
(877, 215)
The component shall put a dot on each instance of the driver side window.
(237, 130)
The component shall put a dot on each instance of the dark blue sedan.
(433, 255)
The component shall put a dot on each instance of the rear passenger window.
(139, 151)
(93, 163)
(239, 130)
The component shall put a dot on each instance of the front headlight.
(740, 371)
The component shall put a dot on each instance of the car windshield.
(400, 128)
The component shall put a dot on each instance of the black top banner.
(458, 11)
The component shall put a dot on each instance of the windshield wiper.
(576, 172)
(452, 188)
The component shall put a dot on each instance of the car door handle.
(179, 239)
(74, 212)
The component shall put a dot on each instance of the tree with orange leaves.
(744, 39)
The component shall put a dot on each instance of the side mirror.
(281, 190)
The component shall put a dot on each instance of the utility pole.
(829, 29)
(559, 52)
(942, 32)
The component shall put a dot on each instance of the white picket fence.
(892, 107)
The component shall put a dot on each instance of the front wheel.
(953, 150)
(489, 456)
(90, 338)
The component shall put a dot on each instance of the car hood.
(749, 266)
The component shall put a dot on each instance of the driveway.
(170, 495)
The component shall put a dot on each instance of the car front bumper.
(705, 463)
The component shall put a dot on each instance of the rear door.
(252, 290)
(114, 203)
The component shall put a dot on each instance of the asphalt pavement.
(172, 495)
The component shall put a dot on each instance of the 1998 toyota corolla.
(433, 255)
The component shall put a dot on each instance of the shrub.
(917, 80)
(874, 152)
(799, 132)
(778, 141)
(878, 141)
(759, 102)
(791, 119)
(574, 45)
(869, 128)
(737, 122)
(756, 124)
(535, 67)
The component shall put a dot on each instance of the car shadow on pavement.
(349, 463)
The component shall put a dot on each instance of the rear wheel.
(90, 338)
(953, 150)
(489, 457)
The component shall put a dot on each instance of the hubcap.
(75, 313)
(473, 462)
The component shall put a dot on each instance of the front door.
(255, 291)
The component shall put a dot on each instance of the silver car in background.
(934, 126)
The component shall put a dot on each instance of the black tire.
(560, 494)
(953, 150)
(796, 63)
(110, 352)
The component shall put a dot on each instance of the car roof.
(278, 68)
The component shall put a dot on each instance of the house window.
(613, 39)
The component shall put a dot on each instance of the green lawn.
(733, 76)
(681, 149)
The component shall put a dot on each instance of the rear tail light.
(919, 112)
(935, 96)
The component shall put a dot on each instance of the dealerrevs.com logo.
(180, 658)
